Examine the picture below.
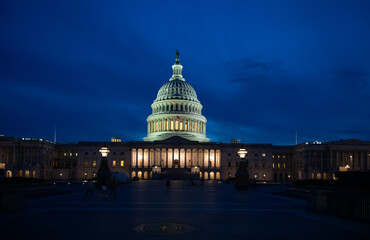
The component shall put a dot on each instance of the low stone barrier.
(340, 203)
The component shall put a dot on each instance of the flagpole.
(55, 135)
(296, 137)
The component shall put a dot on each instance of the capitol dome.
(176, 111)
(177, 89)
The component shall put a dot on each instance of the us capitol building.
(176, 146)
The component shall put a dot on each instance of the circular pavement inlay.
(164, 228)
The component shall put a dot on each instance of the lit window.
(273, 165)
(278, 165)
(263, 154)
(76, 154)
(283, 156)
(65, 154)
(114, 163)
(284, 165)
(94, 163)
(122, 163)
(70, 154)
(273, 156)
(278, 156)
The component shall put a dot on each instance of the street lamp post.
(242, 174)
(103, 173)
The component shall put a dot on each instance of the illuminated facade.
(176, 146)
(176, 111)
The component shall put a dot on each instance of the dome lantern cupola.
(177, 69)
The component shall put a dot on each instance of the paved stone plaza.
(212, 211)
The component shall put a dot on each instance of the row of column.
(18, 155)
(356, 159)
(174, 124)
(176, 158)
(205, 175)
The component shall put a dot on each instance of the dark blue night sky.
(261, 69)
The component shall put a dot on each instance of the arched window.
(171, 107)
(186, 108)
(167, 108)
(177, 107)
(181, 107)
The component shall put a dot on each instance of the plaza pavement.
(213, 211)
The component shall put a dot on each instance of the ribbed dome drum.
(176, 111)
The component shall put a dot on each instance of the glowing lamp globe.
(104, 151)
(242, 153)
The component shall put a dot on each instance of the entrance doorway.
(176, 163)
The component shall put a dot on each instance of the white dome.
(177, 89)
(176, 111)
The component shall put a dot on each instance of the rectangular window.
(236, 164)
(278, 165)
(263, 154)
(122, 163)
(114, 163)
(284, 165)
(229, 164)
(65, 154)
(94, 163)
(273, 165)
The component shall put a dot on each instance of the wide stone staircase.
(176, 173)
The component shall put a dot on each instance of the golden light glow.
(104, 151)
(116, 139)
(122, 163)
(242, 153)
(114, 163)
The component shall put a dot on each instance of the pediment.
(176, 140)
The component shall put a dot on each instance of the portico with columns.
(187, 158)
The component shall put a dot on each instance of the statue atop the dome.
(177, 57)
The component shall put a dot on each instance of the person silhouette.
(168, 184)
